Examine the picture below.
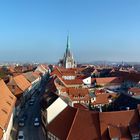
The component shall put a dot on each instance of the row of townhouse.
(65, 121)
(24, 85)
(7, 110)
(14, 94)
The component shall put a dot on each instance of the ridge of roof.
(77, 110)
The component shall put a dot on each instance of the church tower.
(68, 60)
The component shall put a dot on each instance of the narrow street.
(30, 131)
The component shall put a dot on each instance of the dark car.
(31, 102)
(22, 120)
(36, 122)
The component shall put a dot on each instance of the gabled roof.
(104, 98)
(77, 91)
(73, 82)
(7, 103)
(76, 124)
(36, 74)
(29, 76)
(80, 106)
(22, 82)
(61, 125)
(109, 80)
(42, 68)
(85, 126)
(135, 90)
(114, 131)
(122, 119)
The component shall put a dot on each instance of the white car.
(36, 122)
(20, 135)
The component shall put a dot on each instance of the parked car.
(20, 135)
(36, 122)
(21, 122)
(31, 102)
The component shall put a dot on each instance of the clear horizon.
(36, 30)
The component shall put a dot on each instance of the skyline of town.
(69, 70)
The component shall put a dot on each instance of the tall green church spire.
(68, 52)
(68, 42)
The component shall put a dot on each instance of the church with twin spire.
(68, 60)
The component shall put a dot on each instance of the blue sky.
(36, 30)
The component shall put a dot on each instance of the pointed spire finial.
(68, 41)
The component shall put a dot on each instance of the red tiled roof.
(114, 131)
(16, 90)
(118, 119)
(12, 69)
(75, 124)
(80, 106)
(109, 80)
(73, 82)
(78, 91)
(22, 82)
(135, 90)
(68, 74)
(7, 103)
(36, 74)
(61, 125)
(134, 77)
(85, 126)
(104, 98)
(99, 91)
(59, 71)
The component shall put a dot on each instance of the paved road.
(30, 131)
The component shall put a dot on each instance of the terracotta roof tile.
(85, 126)
(135, 91)
(61, 128)
(114, 131)
(76, 124)
(7, 103)
(73, 82)
(77, 91)
(104, 98)
(109, 80)
(80, 106)
(36, 74)
(29, 76)
(16, 90)
(118, 118)
(22, 82)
